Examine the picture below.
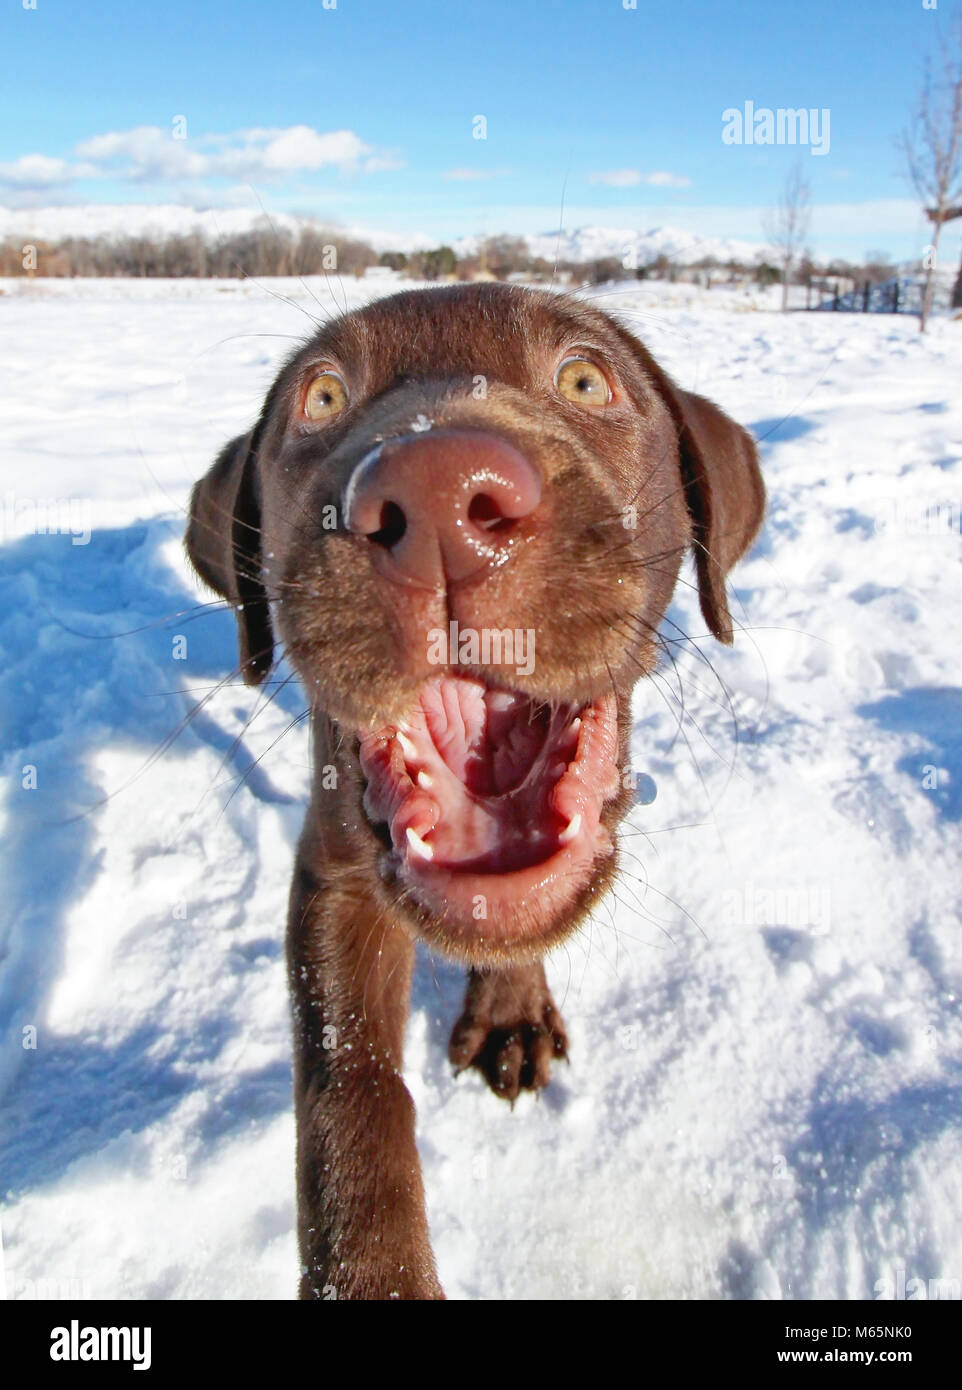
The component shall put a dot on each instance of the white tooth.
(576, 724)
(497, 700)
(570, 831)
(417, 845)
(407, 747)
(425, 781)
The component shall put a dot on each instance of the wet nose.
(441, 506)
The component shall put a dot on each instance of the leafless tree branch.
(786, 226)
(932, 147)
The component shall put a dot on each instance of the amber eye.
(581, 382)
(326, 397)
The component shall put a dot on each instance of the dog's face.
(464, 511)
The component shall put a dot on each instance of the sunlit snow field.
(765, 1091)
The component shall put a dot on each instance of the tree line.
(261, 250)
(264, 251)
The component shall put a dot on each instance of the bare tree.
(932, 147)
(504, 254)
(786, 226)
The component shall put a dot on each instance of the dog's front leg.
(510, 1029)
(362, 1227)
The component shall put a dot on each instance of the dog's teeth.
(498, 700)
(570, 831)
(418, 847)
(425, 781)
(407, 747)
(576, 724)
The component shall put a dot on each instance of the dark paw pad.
(510, 1031)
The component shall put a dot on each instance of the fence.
(900, 295)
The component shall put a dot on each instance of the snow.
(764, 1093)
(174, 219)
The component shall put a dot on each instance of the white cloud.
(149, 152)
(301, 147)
(616, 178)
(630, 178)
(153, 154)
(662, 179)
(381, 163)
(469, 175)
(35, 171)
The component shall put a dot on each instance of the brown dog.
(464, 511)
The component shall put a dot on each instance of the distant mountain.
(631, 247)
(135, 219)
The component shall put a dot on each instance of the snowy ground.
(765, 1093)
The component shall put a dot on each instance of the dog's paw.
(510, 1030)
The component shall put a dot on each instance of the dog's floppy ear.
(224, 545)
(723, 489)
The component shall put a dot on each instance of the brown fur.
(594, 591)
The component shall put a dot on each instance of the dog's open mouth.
(493, 802)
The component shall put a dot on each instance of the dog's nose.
(440, 506)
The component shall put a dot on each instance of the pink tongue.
(473, 750)
(488, 738)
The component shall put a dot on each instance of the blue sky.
(364, 113)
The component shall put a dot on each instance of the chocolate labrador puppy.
(463, 510)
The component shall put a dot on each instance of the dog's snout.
(440, 506)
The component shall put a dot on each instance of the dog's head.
(464, 511)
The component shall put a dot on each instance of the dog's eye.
(581, 382)
(326, 397)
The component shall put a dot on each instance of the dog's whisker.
(479, 810)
